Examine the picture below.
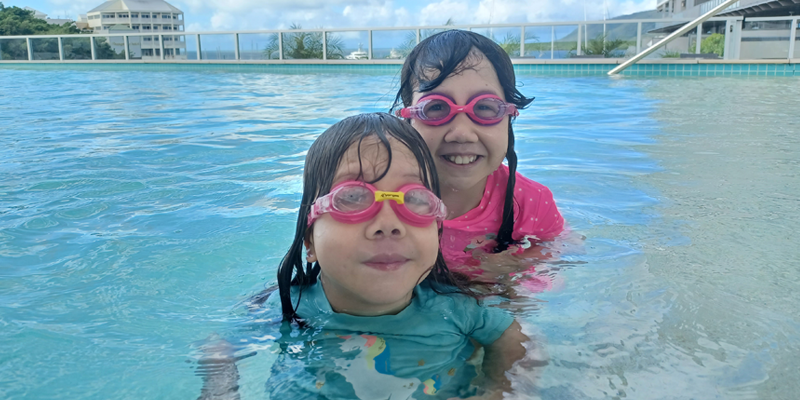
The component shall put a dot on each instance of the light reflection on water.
(137, 209)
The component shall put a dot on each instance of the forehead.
(374, 160)
(474, 73)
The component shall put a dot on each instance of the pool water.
(138, 209)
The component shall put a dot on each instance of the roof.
(764, 9)
(36, 13)
(58, 21)
(136, 6)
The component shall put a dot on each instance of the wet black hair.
(322, 162)
(451, 52)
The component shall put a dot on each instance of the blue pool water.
(138, 209)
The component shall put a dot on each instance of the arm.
(505, 354)
(219, 372)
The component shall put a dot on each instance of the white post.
(324, 45)
(91, 44)
(60, 49)
(30, 49)
(699, 36)
(638, 37)
(552, 42)
(369, 33)
(236, 49)
(580, 31)
(161, 40)
(727, 45)
(125, 46)
(280, 45)
(522, 41)
(793, 38)
(418, 36)
(199, 50)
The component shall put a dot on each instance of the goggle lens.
(421, 202)
(352, 199)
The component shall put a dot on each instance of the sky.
(221, 15)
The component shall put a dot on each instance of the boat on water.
(359, 54)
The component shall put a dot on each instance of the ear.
(311, 255)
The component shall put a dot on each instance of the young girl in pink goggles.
(458, 89)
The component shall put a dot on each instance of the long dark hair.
(451, 52)
(322, 161)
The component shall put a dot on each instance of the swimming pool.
(139, 208)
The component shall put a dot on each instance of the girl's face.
(465, 152)
(371, 268)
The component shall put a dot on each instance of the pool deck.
(577, 66)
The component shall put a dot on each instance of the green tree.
(713, 44)
(16, 21)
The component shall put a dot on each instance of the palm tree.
(600, 45)
(304, 45)
(411, 38)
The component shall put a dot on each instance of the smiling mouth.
(461, 160)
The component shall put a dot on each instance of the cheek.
(428, 133)
(327, 239)
(429, 244)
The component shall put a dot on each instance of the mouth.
(461, 159)
(386, 262)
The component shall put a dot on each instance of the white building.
(142, 16)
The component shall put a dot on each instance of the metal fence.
(728, 38)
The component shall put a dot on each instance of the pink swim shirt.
(536, 219)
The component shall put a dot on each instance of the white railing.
(524, 42)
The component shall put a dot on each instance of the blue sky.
(215, 15)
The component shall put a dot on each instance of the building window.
(145, 15)
(165, 16)
(134, 15)
(146, 27)
(122, 15)
(108, 15)
(155, 15)
(135, 27)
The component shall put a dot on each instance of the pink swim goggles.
(352, 202)
(437, 109)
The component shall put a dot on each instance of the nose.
(386, 224)
(461, 130)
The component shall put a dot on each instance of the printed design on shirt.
(432, 385)
(481, 242)
(370, 372)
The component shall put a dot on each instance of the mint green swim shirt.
(422, 352)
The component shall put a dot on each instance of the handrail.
(672, 36)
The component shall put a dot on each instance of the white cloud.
(207, 15)
(439, 13)
(69, 8)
